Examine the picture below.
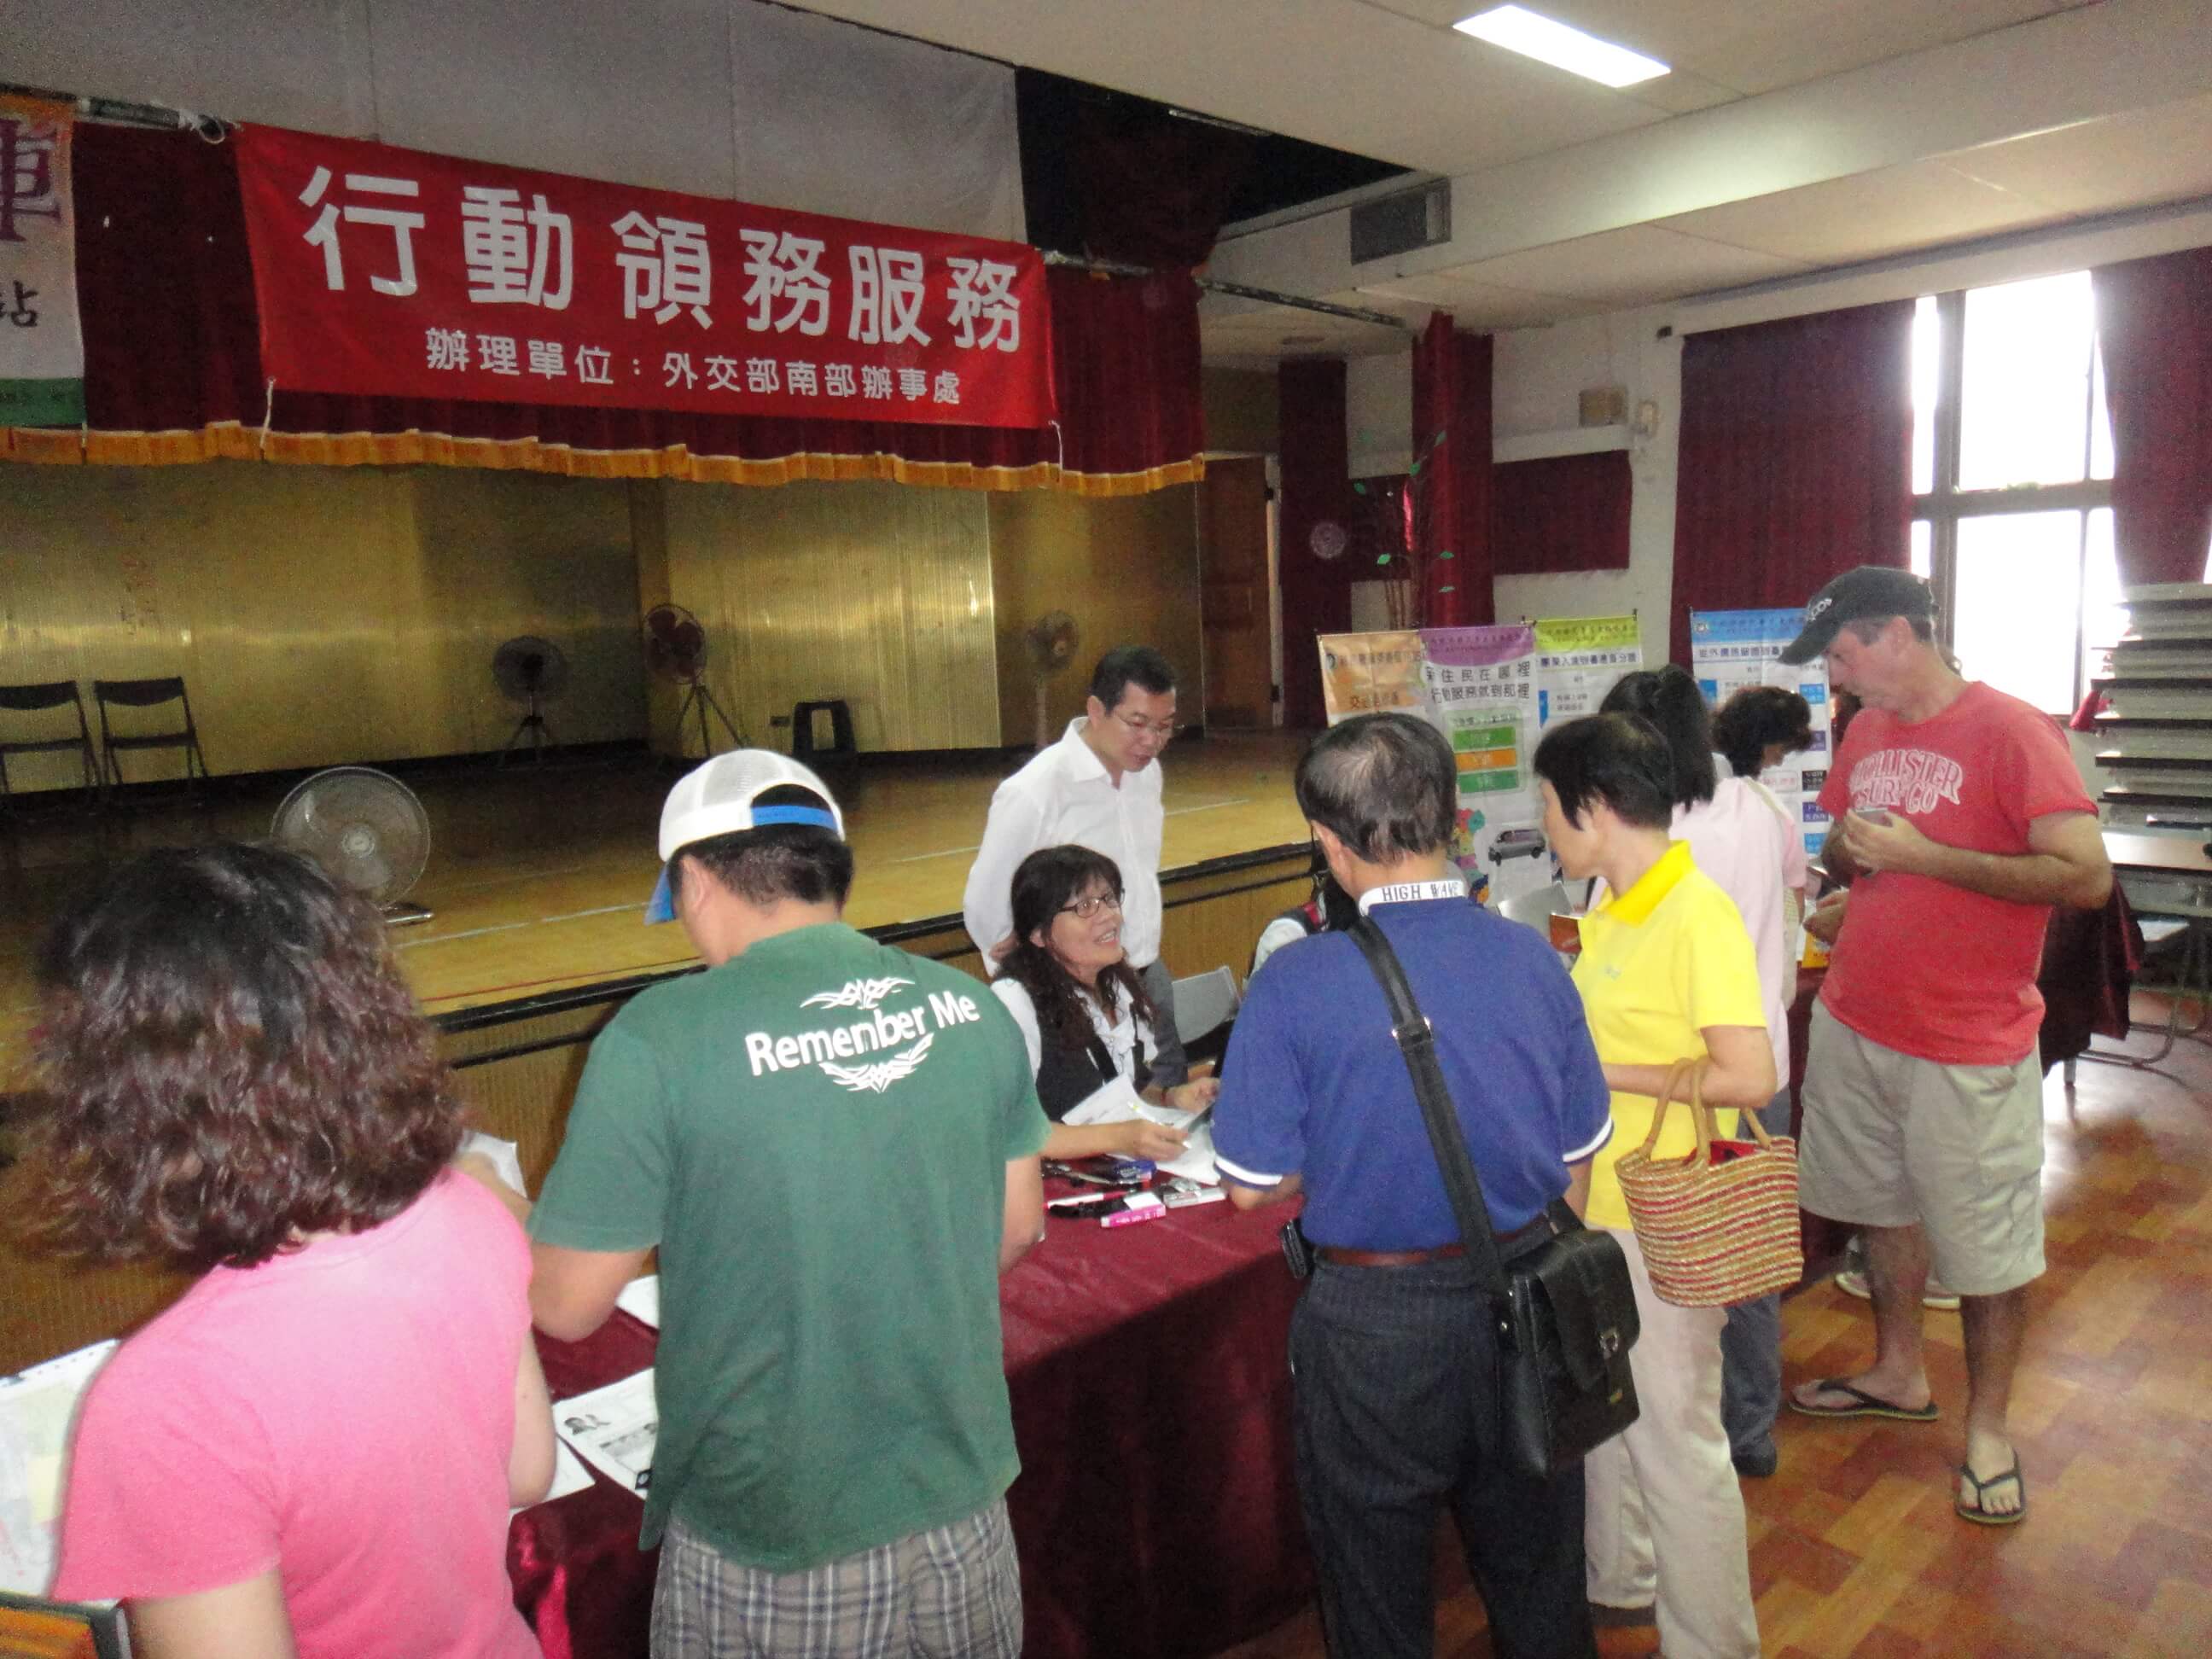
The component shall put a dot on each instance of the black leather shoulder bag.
(1565, 1311)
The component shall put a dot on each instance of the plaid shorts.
(951, 1593)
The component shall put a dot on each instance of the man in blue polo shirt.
(1393, 1348)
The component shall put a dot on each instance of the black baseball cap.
(1872, 590)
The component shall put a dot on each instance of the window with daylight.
(2012, 469)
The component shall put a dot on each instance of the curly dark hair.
(1753, 717)
(1046, 883)
(227, 1059)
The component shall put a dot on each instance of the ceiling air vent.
(1401, 223)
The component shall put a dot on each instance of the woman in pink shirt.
(312, 1452)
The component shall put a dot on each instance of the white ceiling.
(1793, 136)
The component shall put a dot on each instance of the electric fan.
(530, 671)
(366, 830)
(1051, 639)
(676, 651)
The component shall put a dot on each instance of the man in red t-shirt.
(1960, 820)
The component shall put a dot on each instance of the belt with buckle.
(1339, 1256)
(1343, 1258)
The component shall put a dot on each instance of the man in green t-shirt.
(833, 1144)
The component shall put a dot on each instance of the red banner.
(393, 272)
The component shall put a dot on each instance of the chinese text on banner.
(393, 272)
(41, 345)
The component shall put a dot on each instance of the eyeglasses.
(1145, 729)
(1084, 909)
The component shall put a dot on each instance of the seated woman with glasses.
(314, 1451)
(1082, 1008)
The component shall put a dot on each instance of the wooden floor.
(537, 875)
(1854, 1548)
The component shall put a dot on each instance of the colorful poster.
(1477, 686)
(1579, 658)
(395, 272)
(1361, 673)
(41, 345)
(1481, 686)
(1731, 649)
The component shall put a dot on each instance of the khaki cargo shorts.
(1890, 1140)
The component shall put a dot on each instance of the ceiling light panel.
(1548, 40)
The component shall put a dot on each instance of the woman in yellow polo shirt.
(1667, 971)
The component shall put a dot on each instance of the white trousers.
(1664, 1520)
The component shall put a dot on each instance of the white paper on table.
(614, 1429)
(640, 1300)
(568, 1476)
(506, 1157)
(1196, 1161)
(1109, 1103)
(37, 1407)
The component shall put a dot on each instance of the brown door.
(1232, 553)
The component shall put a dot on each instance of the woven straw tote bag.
(1713, 1234)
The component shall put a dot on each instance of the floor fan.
(367, 830)
(676, 651)
(1051, 639)
(530, 671)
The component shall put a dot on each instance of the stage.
(538, 874)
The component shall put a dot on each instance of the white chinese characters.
(785, 268)
(887, 295)
(666, 268)
(508, 249)
(982, 290)
(324, 233)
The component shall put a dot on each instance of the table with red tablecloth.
(1155, 1512)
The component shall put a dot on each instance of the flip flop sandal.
(1862, 1404)
(1984, 1517)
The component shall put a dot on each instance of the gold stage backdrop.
(877, 593)
(318, 615)
(322, 616)
(1126, 569)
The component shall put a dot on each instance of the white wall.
(661, 93)
(1537, 380)
(1378, 414)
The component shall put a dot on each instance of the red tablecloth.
(1155, 1512)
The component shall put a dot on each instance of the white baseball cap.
(717, 798)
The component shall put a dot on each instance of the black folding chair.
(33, 699)
(146, 694)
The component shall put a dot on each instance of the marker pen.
(1138, 1206)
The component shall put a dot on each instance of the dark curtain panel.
(2155, 324)
(1452, 485)
(1318, 553)
(1796, 460)
(173, 371)
(1563, 513)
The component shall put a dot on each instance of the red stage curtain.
(173, 373)
(1562, 514)
(1796, 460)
(1451, 455)
(1318, 528)
(2155, 324)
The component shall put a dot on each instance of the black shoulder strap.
(1417, 1043)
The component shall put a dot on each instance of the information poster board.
(1364, 673)
(1578, 660)
(1478, 686)
(1731, 649)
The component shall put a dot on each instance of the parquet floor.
(1854, 1552)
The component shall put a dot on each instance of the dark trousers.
(1395, 1414)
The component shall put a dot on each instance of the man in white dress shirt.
(1097, 787)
